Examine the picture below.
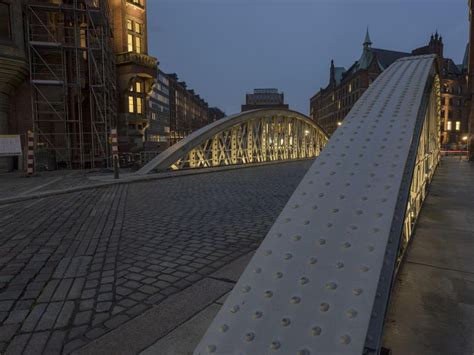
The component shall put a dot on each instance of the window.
(449, 126)
(350, 88)
(458, 125)
(134, 36)
(137, 2)
(5, 21)
(136, 98)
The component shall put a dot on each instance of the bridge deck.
(432, 310)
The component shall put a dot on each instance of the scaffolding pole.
(73, 82)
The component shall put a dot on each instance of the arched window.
(5, 32)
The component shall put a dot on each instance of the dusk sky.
(225, 48)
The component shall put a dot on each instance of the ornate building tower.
(13, 64)
(136, 71)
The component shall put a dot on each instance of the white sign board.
(10, 145)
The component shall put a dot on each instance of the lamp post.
(465, 139)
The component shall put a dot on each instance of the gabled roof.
(386, 57)
(450, 68)
(466, 58)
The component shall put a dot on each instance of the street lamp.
(339, 123)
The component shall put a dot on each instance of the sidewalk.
(432, 308)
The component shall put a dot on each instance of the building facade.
(454, 95)
(158, 130)
(14, 68)
(264, 98)
(215, 113)
(470, 81)
(136, 72)
(331, 104)
(188, 111)
(66, 94)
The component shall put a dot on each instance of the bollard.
(115, 155)
(30, 161)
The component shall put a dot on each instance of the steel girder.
(251, 137)
(321, 279)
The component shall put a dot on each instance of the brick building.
(64, 86)
(215, 114)
(264, 98)
(470, 80)
(331, 104)
(454, 95)
(136, 72)
(158, 129)
(188, 111)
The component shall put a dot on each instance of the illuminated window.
(350, 88)
(138, 44)
(449, 126)
(131, 104)
(458, 125)
(130, 42)
(136, 98)
(139, 105)
(5, 21)
(137, 2)
(134, 36)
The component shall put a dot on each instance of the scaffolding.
(73, 82)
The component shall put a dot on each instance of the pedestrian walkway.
(432, 309)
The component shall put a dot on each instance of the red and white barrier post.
(30, 160)
(115, 153)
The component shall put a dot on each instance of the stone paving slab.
(143, 330)
(432, 307)
(76, 266)
(184, 339)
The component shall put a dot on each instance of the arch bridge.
(321, 280)
(256, 136)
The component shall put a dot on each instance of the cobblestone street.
(75, 266)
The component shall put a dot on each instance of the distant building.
(469, 59)
(215, 114)
(158, 130)
(188, 111)
(264, 98)
(454, 94)
(331, 104)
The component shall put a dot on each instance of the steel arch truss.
(253, 137)
(321, 279)
(257, 141)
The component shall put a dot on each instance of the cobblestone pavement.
(17, 184)
(75, 266)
